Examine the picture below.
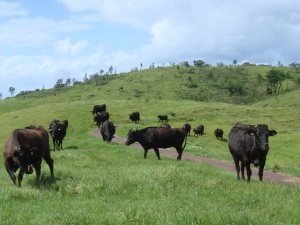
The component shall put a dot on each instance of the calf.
(158, 137)
(249, 144)
(199, 130)
(107, 131)
(101, 118)
(134, 117)
(25, 149)
(163, 118)
(219, 133)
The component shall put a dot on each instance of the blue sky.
(43, 41)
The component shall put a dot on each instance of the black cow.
(166, 125)
(163, 118)
(25, 149)
(249, 144)
(219, 133)
(99, 109)
(158, 137)
(187, 128)
(58, 133)
(199, 130)
(101, 118)
(134, 117)
(107, 131)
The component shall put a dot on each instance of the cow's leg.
(237, 168)
(261, 169)
(37, 168)
(243, 170)
(10, 173)
(248, 169)
(20, 177)
(157, 153)
(179, 151)
(145, 153)
(49, 161)
(54, 143)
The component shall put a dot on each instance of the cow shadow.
(45, 182)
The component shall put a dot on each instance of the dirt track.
(268, 175)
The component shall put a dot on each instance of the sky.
(44, 41)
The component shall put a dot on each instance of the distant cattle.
(166, 125)
(52, 123)
(99, 109)
(101, 118)
(163, 118)
(249, 144)
(187, 128)
(25, 149)
(158, 137)
(107, 131)
(199, 130)
(219, 133)
(58, 133)
(134, 117)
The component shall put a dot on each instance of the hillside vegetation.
(100, 183)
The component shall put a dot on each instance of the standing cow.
(163, 118)
(158, 137)
(99, 109)
(58, 133)
(134, 117)
(249, 144)
(107, 131)
(25, 149)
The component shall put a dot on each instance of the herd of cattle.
(25, 148)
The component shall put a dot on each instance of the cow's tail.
(186, 134)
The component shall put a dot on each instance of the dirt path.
(268, 175)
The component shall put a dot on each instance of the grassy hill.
(96, 182)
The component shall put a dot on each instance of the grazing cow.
(101, 118)
(219, 133)
(158, 137)
(199, 130)
(163, 118)
(166, 125)
(187, 128)
(58, 132)
(134, 117)
(25, 149)
(107, 131)
(99, 109)
(249, 144)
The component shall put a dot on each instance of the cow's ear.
(272, 132)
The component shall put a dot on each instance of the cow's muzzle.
(29, 170)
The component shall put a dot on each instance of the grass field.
(100, 183)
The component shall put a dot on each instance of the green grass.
(100, 183)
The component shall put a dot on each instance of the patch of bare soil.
(268, 175)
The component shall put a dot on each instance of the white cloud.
(66, 47)
(12, 9)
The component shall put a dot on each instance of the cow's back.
(165, 137)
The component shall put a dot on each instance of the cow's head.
(26, 155)
(131, 137)
(261, 134)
